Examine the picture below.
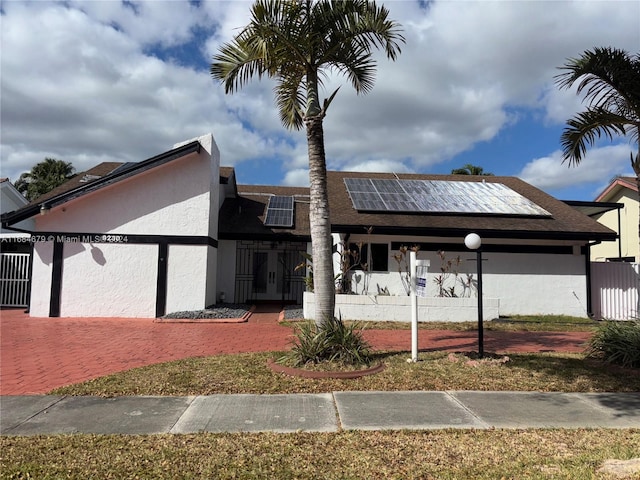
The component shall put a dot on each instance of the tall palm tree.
(610, 79)
(44, 177)
(298, 42)
(469, 169)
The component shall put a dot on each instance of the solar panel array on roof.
(279, 212)
(438, 196)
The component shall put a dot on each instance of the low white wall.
(398, 308)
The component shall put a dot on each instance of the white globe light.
(473, 241)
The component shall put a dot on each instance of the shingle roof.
(565, 222)
(619, 182)
(99, 171)
(243, 217)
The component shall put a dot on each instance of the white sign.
(422, 267)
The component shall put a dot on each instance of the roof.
(243, 213)
(617, 183)
(99, 171)
(101, 176)
(243, 217)
(565, 223)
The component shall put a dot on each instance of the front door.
(268, 274)
(266, 271)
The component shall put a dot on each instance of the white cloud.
(297, 178)
(90, 86)
(598, 164)
(377, 166)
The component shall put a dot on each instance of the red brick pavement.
(39, 354)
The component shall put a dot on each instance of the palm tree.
(298, 42)
(44, 177)
(469, 169)
(610, 79)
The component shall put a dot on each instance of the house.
(11, 199)
(15, 251)
(178, 232)
(624, 220)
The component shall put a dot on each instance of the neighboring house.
(177, 232)
(15, 250)
(624, 220)
(10, 200)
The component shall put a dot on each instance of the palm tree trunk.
(319, 218)
(636, 168)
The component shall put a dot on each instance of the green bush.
(617, 342)
(332, 341)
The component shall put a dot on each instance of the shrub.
(617, 342)
(331, 341)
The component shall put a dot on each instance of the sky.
(89, 81)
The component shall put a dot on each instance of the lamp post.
(473, 242)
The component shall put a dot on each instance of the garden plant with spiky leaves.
(610, 80)
(297, 43)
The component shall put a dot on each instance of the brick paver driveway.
(39, 354)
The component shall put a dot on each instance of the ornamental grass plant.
(617, 342)
(333, 342)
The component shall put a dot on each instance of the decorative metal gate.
(265, 271)
(14, 279)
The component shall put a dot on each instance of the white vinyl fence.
(14, 279)
(614, 290)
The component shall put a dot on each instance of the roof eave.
(486, 233)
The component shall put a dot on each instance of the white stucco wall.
(210, 278)
(524, 284)
(103, 288)
(172, 199)
(41, 279)
(186, 268)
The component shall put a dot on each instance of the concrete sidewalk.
(326, 412)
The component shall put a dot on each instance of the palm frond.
(608, 77)
(360, 69)
(290, 100)
(585, 128)
(236, 64)
(298, 41)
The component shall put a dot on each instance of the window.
(377, 262)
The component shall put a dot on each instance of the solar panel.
(438, 196)
(279, 212)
